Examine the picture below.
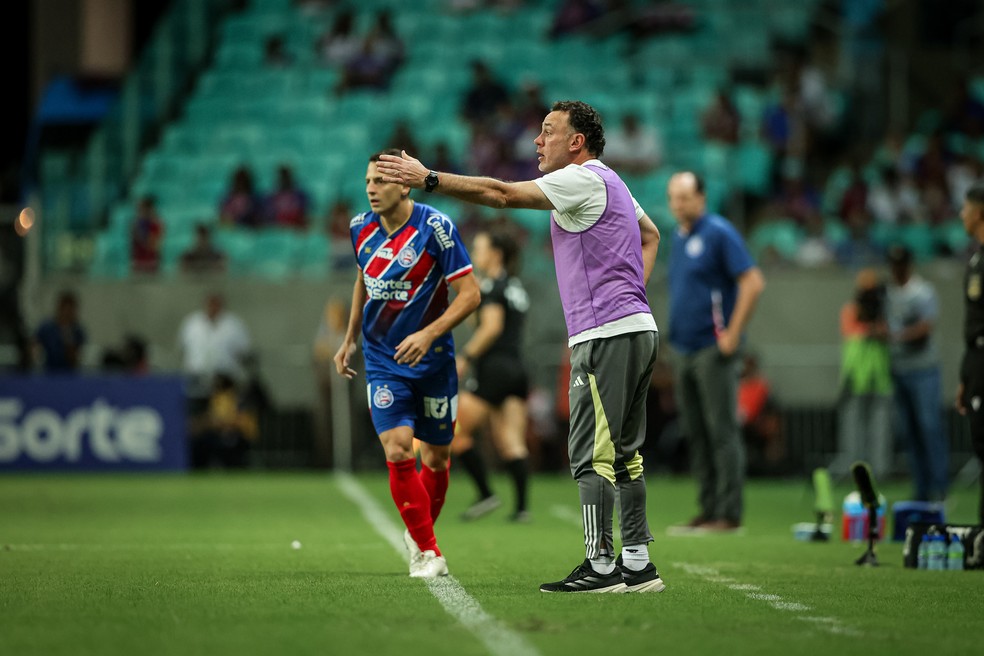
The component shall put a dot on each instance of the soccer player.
(497, 391)
(604, 250)
(408, 254)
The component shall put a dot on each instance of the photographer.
(866, 380)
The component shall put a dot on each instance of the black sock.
(475, 467)
(519, 470)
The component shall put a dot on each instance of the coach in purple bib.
(604, 249)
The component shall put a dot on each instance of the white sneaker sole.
(656, 585)
(431, 570)
(618, 588)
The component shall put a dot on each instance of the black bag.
(971, 536)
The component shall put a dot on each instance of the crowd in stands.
(836, 187)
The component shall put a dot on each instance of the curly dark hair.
(585, 119)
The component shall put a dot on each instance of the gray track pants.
(609, 381)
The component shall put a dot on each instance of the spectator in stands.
(966, 113)
(912, 312)
(203, 256)
(145, 237)
(857, 250)
(894, 199)
(340, 43)
(815, 250)
(227, 428)
(369, 68)
(242, 206)
(961, 176)
(530, 105)
(275, 53)
(855, 198)
(797, 200)
(129, 359)
(721, 121)
(931, 167)
(442, 159)
(574, 15)
(61, 338)
(212, 341)
(633, 147)
(866, 381)
(403, 137)
(484, 95)
(287, 207)
(338, 221)
(387, 42)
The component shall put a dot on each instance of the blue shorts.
(427, 405)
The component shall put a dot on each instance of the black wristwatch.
(431, 181)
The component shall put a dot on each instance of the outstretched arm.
(409, 171)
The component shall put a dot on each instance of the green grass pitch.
(188, 565)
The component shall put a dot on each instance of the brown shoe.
(720, 526)
(690, 528)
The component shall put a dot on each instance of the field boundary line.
(829, 624)
(499, 639)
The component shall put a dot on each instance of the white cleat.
(428, 565)
(412, 547)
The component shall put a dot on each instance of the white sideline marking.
(496, 637)
(829, 624)
(745, 586)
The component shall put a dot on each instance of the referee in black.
(970, 393)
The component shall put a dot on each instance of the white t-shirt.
(579, 195)
(580, 198)
(212, 347)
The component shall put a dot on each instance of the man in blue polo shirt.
(714, 285)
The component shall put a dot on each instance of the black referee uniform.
(499, 372)
(972, 369)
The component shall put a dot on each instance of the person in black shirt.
(496, 389)
(970, 393)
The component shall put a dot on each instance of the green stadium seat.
(951, 236)
(780, 235)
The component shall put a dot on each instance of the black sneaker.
(645, 580)
(585, 579)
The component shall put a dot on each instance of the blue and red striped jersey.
(406, 276)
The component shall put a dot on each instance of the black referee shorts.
(498, 377)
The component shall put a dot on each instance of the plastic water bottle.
(955, 553)
(937, 553)
(922, 555)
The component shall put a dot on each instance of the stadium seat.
(781, 235)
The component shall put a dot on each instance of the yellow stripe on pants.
(603, 459)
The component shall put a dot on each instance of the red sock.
(413, 503)
(436, 484)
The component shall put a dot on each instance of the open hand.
(403, 170)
